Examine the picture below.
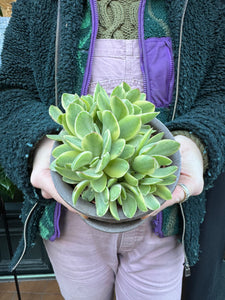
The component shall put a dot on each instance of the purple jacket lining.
(57, 215)
(156, 53)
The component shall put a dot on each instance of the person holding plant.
(171, 50)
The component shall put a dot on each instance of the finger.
(179, 194)
(45, 195)
(43, 181)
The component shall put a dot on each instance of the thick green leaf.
(162, 160)
(143, 97)
(115, 192)
(165, 147)
(72, 111)
(125, 86)
(67, 99)
(119, 109)
(150, 181)
(137, 194)
(99, 89)
(129, 106)
(164, 172)
(88, 194)
(93, 142)
(147, 117)
(117, 168)
(129, 206)
(69, 181)
(93, 110)
(140, 201)
(153, 189)
(110, 122)
(129, 127)
(73, 142)
(128, 152)
(156, 138)
(114, 211)
(131, 179)
(78, 190)
(136, 140)
(84, 124)
(120, 201)
(55, 113)
(103, 102)
(111, 181)
(55, 137)
(133, 95)
(107, 142)
(146, 106)
(147, 148)
(68, 173)
(102, 202)
(99, 115)
(163, 192)
(118, 92)
(88, 100)
(123, 194)
(144, 164)
(168, 180)
(151, 202)
(145, 128)
(81, 160)
(99, 185)
(94, 162)
(97, 130)
(145, 189)
(62, 120)
(89, 174)
(139, 176)
(61, 149)
(143, 140)
(137, 110)
(103, 162)
(66, 158)
(117, 148)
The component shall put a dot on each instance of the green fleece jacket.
(27, 89)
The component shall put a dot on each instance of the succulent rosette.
(109, 152)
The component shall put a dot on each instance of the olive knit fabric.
(27, 89)
(118, 19)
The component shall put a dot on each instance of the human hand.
(41, 175)
(191, 174)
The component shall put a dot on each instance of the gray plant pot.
(107, 223)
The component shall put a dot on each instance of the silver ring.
(186, 192)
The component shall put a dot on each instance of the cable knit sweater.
(27, 86)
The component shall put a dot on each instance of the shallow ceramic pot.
(107, 223)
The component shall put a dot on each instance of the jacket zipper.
(179, 59)
(25, 236)
(187, 270)
(87, 74)
(142, 48)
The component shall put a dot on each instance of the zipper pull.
(187, 269)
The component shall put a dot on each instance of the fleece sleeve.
(24, 117)
(206, 119)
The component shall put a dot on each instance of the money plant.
(109, 152)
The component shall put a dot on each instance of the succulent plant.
(109, 152)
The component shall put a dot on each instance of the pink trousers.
(90, 264)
